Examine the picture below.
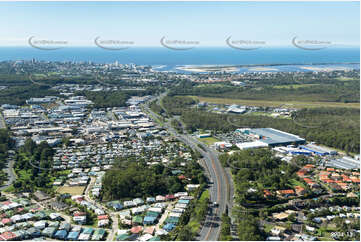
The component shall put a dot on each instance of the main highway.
(220, 182)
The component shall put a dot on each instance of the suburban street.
(219, 187)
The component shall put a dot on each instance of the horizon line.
(195, 47)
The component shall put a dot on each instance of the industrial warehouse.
(288, 145)
(268, 137)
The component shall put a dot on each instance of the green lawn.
(10, 189)
(204, 195)
(295, 182)
(208, 140)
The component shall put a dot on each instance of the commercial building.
(206, 135)
(344, 163)
(251, 145)
(318, 150)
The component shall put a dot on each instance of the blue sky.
(145, 23)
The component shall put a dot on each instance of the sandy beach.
(315, 68)
(262, 69)
(207, 68)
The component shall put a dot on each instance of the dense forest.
(190, 222)
(9, 79)
(334, 127)
(106, 99)
(248, 229)
(257, 169)
(254, 170)
(176, 105)
(20, 87)
(19, 94)
(156, 108)
(130, 179)
(6, 143)
(32, 165)
(315, 91)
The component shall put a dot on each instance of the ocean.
(168, 59)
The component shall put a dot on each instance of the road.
(114, 217)
(219, 188)
(9, 170)
(2, 121)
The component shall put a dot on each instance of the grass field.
(266, 114)
(208, 140)
(294, 182)
(39, 75)
(295, 86)
(343, 78)
(76, 190)
(265, 103)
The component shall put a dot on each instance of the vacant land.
(262, 103)
(76, 190)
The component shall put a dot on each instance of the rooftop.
(274, 136)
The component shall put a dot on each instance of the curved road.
(219, 189)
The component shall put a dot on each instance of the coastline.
(326, 67)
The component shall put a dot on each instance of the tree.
(248, 229)
(225, 234)
(185, 234)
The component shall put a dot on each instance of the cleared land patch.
(75, 190)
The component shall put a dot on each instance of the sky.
(209, 23)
